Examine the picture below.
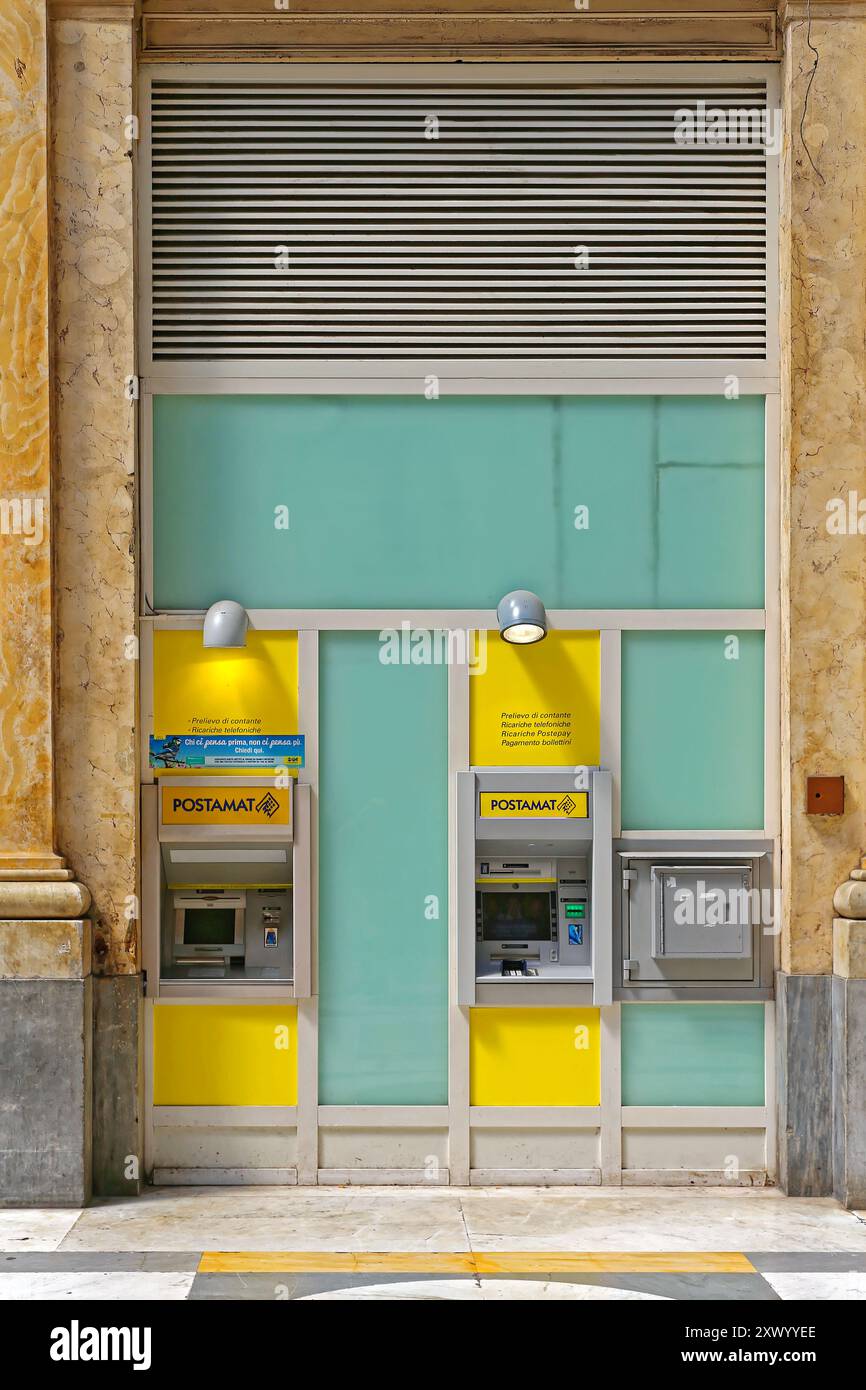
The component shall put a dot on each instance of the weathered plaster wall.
(26, 830)
(94, 442)
(824, 456)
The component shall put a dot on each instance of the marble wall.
(92, 69)
(26, 829)
(823, 257)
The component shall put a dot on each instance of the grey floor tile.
(287, 1287)
(99, 1262)
(807, 1262)
(282, 1287)
(713, 1287)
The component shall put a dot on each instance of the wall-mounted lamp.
(225, 624)
(521, 617)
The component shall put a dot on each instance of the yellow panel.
(207, 690)
(535, 1057)
(225, 1054)
(537, 706)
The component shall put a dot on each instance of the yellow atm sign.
(535, 805)
(226, 805)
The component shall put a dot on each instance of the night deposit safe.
(696, 920)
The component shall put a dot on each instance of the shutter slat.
(462, 246)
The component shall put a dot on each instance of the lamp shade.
(225, 624)
(522, 618)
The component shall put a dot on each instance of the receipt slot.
(227, 887)
(534, 866)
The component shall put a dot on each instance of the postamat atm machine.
(226, 887)
(534, 894)
(551, 910)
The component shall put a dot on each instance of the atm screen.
(209, 926)
(515, 916)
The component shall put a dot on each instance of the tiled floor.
(484, 1244)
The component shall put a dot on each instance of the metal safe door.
(701, 912)
(688, 924)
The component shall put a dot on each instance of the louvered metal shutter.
(388, 222)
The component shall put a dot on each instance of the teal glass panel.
(608, 465)
(710, 499)
(709, 520)
(692, 731)
(450, 503)
(383, 817)
(697, 430)
(693, 1054)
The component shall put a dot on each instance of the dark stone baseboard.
(804, 1082)
(118, 1159)
(849, 1109)
(46, 1031)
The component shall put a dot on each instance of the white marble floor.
(98, 1286)
(807, 1285)
(35, 1230)
(443, 1219)
(481, 1244)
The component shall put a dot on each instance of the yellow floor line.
(481, 1262)
(613, 1262)
(324, 1262)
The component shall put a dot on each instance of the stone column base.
(46, 1030)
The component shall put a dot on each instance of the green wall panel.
(692, 731)
(710, 429)
(383, 816)
(693, 1054)
(403, 501)
(703, 552)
